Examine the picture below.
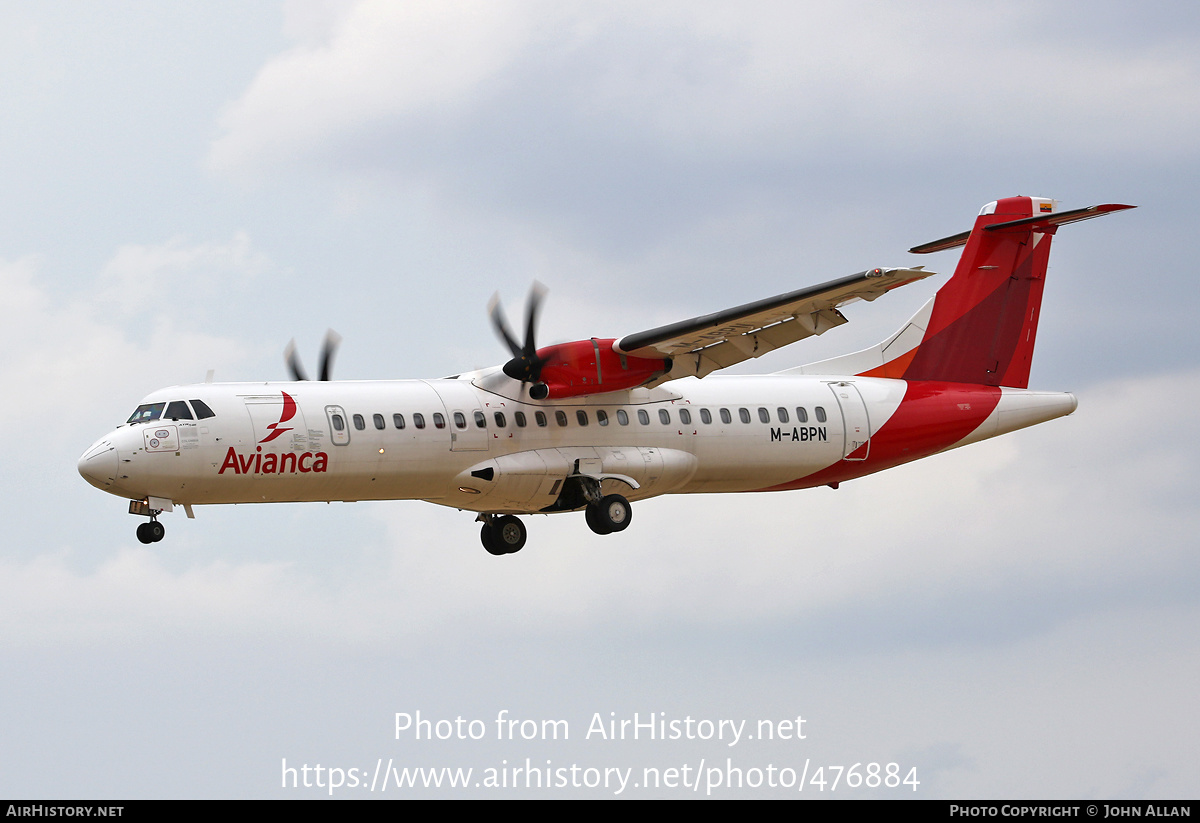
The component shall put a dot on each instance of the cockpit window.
(178, 410)
(146, 413)
(203, 412)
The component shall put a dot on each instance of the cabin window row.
(562, 419)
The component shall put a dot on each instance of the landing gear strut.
(611, 514)
(502, 535)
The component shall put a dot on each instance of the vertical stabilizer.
(984, 321)
(982, 325)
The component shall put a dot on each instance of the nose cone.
(98, 465)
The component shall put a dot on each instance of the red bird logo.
(289, 411)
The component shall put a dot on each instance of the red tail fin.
(982, 325)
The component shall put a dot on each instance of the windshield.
(146, 413)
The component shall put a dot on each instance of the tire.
(592, 515)
(613, 513)
(143, 534)
(509, 534)
(155, 530)
(487, 537)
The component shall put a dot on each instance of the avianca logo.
(289, 411)
(286, 463)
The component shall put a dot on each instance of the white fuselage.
(472, 443)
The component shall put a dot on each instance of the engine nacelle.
(592, 367)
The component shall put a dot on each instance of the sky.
(189, 186)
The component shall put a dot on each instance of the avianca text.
(270, 463)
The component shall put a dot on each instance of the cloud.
(142, 317)
(563, 86)
(624, 129)
(168, 275)
(382, 60)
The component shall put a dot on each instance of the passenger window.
(203, 412)
(685, 417)
(359, 423)
(820, 414)
(398, 421)
(480, 420)
(338, 423)
(643, 417)
(801, 414)
(705, 416)
(500, 421)
(764, 416)
(520, 418)
(378, 420)
(783, 415)
(178, 410)
(622, 417)
(419, 420)
(460, 420)
(726, 417)
(744, 414)
(664, 417)
(540, 417)
(560, 417)
(439, 420)
(581, 417)
(602, 417)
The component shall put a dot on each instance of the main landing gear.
(611, 513)
(502, 535)
(505, 534)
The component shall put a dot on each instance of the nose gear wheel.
(151, 532)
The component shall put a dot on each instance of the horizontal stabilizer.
(1039, 222)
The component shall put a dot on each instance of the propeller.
(525, 365)
(328, 350)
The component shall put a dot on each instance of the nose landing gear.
(153, 531)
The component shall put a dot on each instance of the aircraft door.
(856, 425)
(466, 419)
(339, 426)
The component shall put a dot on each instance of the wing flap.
(704, 344)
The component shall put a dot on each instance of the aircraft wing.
(715, 341)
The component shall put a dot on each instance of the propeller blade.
(500, 324)
(525, 365)
(536, 293)
(328, 350)
(292, 358)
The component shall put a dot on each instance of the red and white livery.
(594, 424)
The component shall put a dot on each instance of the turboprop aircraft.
(594, 424)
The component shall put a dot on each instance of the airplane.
(595, 424)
